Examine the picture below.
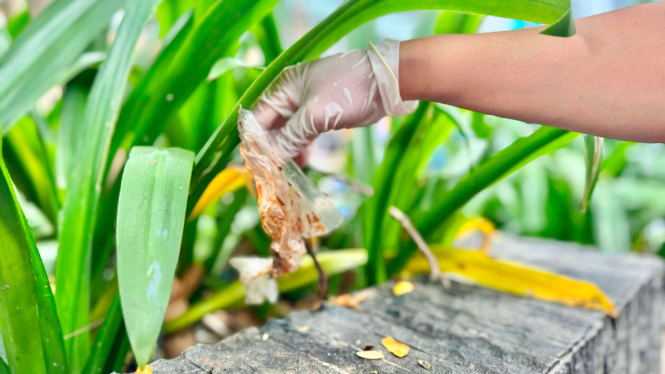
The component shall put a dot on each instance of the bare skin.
(607, 80)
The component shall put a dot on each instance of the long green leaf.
(333, 262)
(44, 51)
(105, 338)
(593, 149)
(28, 165)
(184, 66)
(79, 210)
(26, 302)
(151, 217)
(354, 13)
(543, 140)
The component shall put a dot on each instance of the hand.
(347, 90)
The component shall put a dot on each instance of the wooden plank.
(464, 329)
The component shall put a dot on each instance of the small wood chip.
(368, 347)
(370, 355)
(402, 287)
(349, 301)
(426, 365)
(146, 370)
(395, 347)
(303, 329)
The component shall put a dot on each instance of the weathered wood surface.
(464, 329)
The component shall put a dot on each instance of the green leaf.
(79, 210)
(333, 262)
(151, 217)
(26, 301)
(593, 151)
(105, 338)
(227, 64)
(268, 38)
(347, 17)
(69, 141)
(44, 51)
(185, 64)
(28, 165)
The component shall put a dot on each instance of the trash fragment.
(291, 206)
(265, 337)
(426, 365)
(395, 347)
(370, 355)
(303, 328)
(349, 301)
(402, 287)
(256, 276)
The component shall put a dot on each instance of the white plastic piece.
(256, 276)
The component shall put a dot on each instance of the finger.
(293, 138)
(267, 116)
(279, 101)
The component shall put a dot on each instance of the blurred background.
(542, 199)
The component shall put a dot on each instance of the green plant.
(71, 163)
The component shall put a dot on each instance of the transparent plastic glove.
(347, 90)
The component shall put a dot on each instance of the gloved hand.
(347, 90)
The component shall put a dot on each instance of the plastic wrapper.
(291, 205)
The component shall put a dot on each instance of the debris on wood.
(303, 329)
(370, 355)
(368, 347)
(349, 301)
(393, 346)
(426, 365)
(402, 287)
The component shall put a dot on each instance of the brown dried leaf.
(402, 287)
(395, 347)
(370, 355)
(349, 301)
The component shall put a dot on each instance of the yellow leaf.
(146, 370)
(517, 279)
(481, 224)
(228, 180)
(370, 355)
(402, 287)
(395, 347)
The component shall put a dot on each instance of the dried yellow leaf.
(395, 347)
(517, 279)
(228, 180)
(370, 355)
(402, 287)
(303, 329)
(349, 301)
(483, 225)
(146, 370)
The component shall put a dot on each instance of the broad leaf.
(42, 54)
(151, 217)
(79, 210)
(26, 302)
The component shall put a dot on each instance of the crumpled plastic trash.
(291, 205)
(255, 275)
